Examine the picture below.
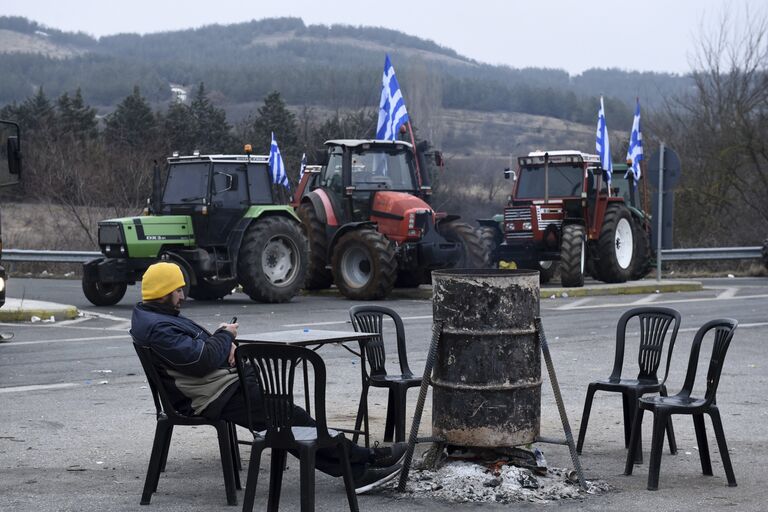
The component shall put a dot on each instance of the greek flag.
(635, 150)
(392, 113)
(603, 144)
(276, 166)
(303, 165)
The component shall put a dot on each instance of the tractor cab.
(215, 191)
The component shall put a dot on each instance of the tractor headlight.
(411, 220)
(2, 284)
(527, 226)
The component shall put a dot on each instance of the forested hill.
(337, 67)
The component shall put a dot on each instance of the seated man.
(198, 369)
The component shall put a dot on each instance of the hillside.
(333, 66)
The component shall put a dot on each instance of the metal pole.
(661, 208)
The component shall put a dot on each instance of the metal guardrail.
(49, 256)
(712, 253)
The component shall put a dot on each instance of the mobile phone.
(234, 320)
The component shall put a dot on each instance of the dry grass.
(52, 227)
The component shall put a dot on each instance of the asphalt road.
(77, 418)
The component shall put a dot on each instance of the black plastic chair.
(274, 368)
(371, 319)
(655, 323)
(664, 407)
(167, 418)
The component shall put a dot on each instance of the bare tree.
(720, 130)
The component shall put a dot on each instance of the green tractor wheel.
(104, 294)
(272, 263)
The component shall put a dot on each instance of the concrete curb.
(18, 310)
(588, 290)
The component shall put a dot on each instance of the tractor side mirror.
(439, 159)
(14, 155)
(510, 174)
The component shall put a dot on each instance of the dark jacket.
(191, 361)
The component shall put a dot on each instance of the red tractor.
(369, 225)
(562, 211)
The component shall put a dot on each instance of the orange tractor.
(369, 225)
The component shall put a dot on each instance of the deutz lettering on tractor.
(217, 218)
(562, 211)
(368, 223)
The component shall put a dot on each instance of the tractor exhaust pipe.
(156, 185)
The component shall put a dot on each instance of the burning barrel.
(487, 371)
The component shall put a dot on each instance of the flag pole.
(415, 153)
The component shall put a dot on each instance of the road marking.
(646, 300)
(64, 340)
(676, 301)
(728, 293)
(575, 303)
(38, 387)
(106, 316)
(343, 322)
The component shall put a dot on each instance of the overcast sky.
(646, 35)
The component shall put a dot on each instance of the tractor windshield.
(382, 169)
(186, 183)
(564, 181)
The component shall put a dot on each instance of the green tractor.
(219, 219)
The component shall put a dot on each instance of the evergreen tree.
(274, 117)
(132, 124)
(179, 129)
(212, 132)
(37, 114)
(76, 119)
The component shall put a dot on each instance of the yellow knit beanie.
(161, 279)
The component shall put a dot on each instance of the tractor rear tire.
(573, 255)
(615, 245)
(364, 265)
(489, 237)
(272, 263)
(475, 253)
(104, 294)
(319, 276)
(641, 257)
(211, 290)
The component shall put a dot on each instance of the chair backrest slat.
(268, 374)
(655, 323)
(367, 318)
(163, 402)
(724, 329)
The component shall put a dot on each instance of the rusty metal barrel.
(487, 372)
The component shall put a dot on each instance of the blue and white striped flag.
(635, 150)
(392, 113)
(276, 165)
(303, 165)
(603, 144)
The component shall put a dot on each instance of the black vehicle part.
(364, 265)
(209, 289)
(615, 245)
(573, 254)
(765, 253)
(104, 294)
(475, 253)
(547, 270)
(641, 256)
(318, 275)
(273, 259)
(490, 237)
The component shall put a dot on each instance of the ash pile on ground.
(465, 481)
